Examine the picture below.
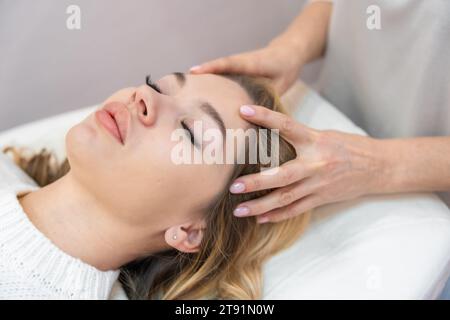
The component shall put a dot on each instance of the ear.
(186, 237)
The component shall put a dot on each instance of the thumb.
(241, 63)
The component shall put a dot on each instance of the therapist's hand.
(331, 166)
(279, 62)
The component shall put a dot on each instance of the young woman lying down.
(120, 207)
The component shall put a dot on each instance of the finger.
(279, 198)
(289, 129)
(289, 172)
(241, 63)
(294, 209)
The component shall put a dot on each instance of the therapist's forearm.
(307, 34)
(416, 164)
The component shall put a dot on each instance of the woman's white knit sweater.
(31, 266)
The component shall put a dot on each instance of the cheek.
(198, 184)
(174, 189)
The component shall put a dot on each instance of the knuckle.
(276, 218)
(255, 61)
(319, 188)
(320, 198)
(287, 125)
(224, 62)
(321, 138)
(287, 175)
(299, 207)
(294, 211)
(286, 197)
(330, 165)
(325, 135)
(288, 213)
(256, 184)
(327, 138)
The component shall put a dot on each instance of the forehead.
(225, 95)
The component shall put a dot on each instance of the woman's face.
(138, 180)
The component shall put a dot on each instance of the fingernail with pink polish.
(247, 110)
(195, 68)
(237, 187)
(241, 211)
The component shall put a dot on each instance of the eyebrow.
(204, 106)
(181, 78)
(212, 112)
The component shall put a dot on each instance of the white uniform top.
(393, 81)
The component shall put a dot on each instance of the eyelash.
(151, 84)
(189, 133)
(154, 86)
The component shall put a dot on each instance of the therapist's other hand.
(331, 166)
(278, 61)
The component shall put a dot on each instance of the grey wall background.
(47, 69)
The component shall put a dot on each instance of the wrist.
(386, 175)
(293, 46)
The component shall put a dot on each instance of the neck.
(71, 217)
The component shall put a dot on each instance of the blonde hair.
(233, 250)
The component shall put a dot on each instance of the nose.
(145, 105)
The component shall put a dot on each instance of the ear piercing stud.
(174, 237)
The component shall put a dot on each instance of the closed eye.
(188, 131)
(189, 134)
(151, 84)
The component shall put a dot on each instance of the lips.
(115, 117)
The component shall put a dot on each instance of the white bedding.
(379, 247)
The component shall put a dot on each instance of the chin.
(82, 144)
